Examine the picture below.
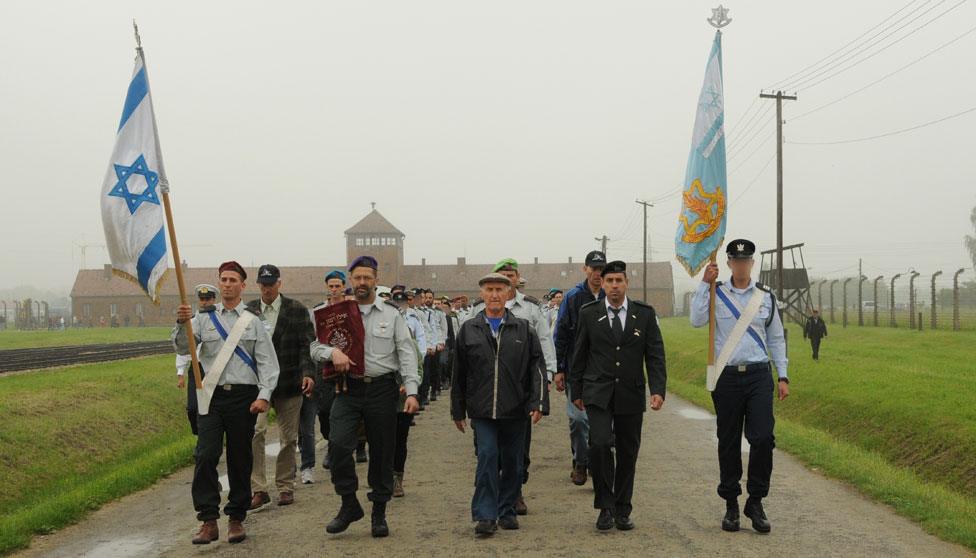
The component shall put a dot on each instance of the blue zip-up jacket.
(565, 335)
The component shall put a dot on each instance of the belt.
(371, 379)
(746, 368)
(230, 387)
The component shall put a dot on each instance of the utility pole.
(644, 273)
(603, 243)
(779, 184)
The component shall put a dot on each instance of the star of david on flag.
(131, 212)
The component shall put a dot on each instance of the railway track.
(49, 357)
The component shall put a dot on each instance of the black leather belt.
(231, 387)
(746, 368)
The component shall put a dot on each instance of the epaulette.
(322, 304)
(763, 287)
(718, 283)
(391, 303)
(531, 299)
(477, 302)
(208, 308)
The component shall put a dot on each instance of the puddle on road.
(125, 547)
(695, 414)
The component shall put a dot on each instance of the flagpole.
(167, 208)
(711, 315)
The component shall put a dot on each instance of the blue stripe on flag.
(154, 251)
(137, 92)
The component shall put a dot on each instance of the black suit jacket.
(292, 337)
(606, 372)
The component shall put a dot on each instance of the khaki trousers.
(288, 411)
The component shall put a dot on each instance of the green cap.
(506, 264)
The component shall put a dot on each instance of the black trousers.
(191, 404)
(325, 394)
(402, 432)
(815, 344)
(229, 416)
(613, 479)
(525, 450)
(375, 403)
(744, 400)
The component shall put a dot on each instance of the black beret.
(615, 266)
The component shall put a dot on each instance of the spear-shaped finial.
(135, 28)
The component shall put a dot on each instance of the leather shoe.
(731, 520)
(485, 527)
(286, 498)
(605, 521)
(208, 533)
(624, 523)
(754, 511)
(235, 531)
(578, 476)
(259, 500)
(520, 507)
(349, 512)
(509, 523)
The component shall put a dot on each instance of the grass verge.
(76, 438)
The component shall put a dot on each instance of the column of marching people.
(497, 356)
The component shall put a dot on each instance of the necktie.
(615, 326)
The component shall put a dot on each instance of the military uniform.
(743, 395)
(390, 359)
(250, 374)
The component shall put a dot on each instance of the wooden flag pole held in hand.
(164, 189)
(711, 317)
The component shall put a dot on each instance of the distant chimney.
(571, 259)
(108, 271)
(423, 262)
(462, 261)
(185, 266)
(536, 260)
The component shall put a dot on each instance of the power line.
(754, 151)
(867, 44)
(886, 134)
(755, 178)
(888, 75)
(886, 47)
(778, 84)
(749, 128)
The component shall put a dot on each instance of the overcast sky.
(482, 129)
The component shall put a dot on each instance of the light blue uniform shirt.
(748, 350)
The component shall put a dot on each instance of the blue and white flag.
(131, 211)
(701, 223)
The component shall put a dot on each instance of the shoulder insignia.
(531, 299)
(477, 302)
(763, 287)
(393, 304)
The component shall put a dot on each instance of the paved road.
(676, 509)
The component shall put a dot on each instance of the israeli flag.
(701, 223)
(131, 212)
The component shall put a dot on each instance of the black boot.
(380, 528)
(754, 511)
(349, 512)
(731, 520)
